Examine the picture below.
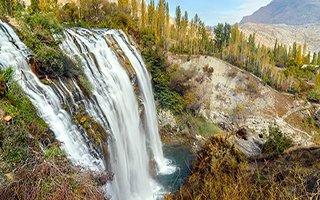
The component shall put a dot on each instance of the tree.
(299, 57)
(35, 6)
(178, 18)
(219, 36)
(123, 5)
(7, 7)
(47, 5)
(134, 8)
(69, 12)
(314, 58)
(151, 14)
(143, 14)
(161, 20)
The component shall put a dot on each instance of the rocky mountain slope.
(293, 12)
(288, 21)
(286, 34)
(239, 100)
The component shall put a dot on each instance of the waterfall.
(14, 54)
(121, 102)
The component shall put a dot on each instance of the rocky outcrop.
(239, 99)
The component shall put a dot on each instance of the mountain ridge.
(290, 12)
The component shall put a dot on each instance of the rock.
(8, 118)
(104, 178)
(242, 133)
(166, 118)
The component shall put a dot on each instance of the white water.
(151, 125)
(14, 54)
(134, 140)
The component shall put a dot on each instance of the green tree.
(178, 18)
(314, 58)
(134, 8)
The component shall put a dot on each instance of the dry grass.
(221, 172)
(55, 179)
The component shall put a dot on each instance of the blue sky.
(214, 11)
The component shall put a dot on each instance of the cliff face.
(291, 12)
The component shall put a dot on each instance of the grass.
(197, 125)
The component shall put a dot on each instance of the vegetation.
(222, 172)
(276, 143)
(284, 68)
(37, 31)
(30, 172)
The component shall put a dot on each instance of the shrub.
(276, 143)
(37, 31)
(167, 98)
(314, 95)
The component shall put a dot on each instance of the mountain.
(286, 34)
(291, 12)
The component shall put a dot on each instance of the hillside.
(285, 34)
(291, 12)
(240, 100)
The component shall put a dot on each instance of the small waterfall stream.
(122, 103)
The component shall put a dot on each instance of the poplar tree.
(151, 12)
(161, 20)
(178, 18)
(314, 58)
(134, 8)
(143, 14)
(123, 5)
(167, 23)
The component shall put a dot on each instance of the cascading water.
(14, 54)
(127, 112)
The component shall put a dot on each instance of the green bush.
(167, 98)
(37, 31)
(276, 143)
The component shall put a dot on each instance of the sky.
(215, 11)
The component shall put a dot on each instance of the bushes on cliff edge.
(37, 32)
(220, 171)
